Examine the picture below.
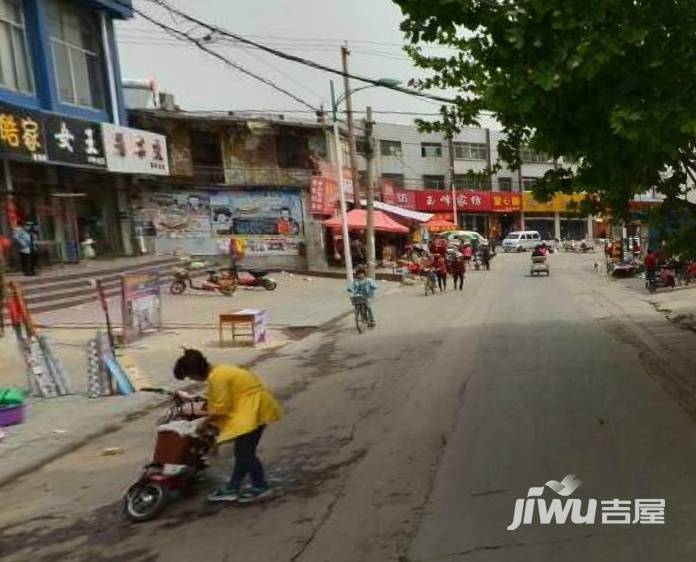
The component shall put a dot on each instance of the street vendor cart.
(540, 264)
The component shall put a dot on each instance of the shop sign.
(73, 141)
(132, 151)
(433, 201)
(22, 133)
(322, 196)
(557, 204)
(505, 202)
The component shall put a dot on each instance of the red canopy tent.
(439, 225)
(357, 220)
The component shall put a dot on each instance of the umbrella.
(357, 220)
(439, 225)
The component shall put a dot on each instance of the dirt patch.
(294, 333)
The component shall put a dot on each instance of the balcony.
(208, 174)
(268, 175)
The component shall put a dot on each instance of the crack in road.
(341, 491)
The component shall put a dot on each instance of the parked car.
(521, 241)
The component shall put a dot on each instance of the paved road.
(413, 442)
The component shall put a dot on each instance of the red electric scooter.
(176, 464)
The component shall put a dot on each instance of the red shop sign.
(506, 202)
(433, 201)
(322, 196)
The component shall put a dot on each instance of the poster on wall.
(173, 215)
(141, 304)
(257, 213)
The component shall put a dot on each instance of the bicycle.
(363, 314)
(430, 282)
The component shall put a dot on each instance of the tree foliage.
(609, 85)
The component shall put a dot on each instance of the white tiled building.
(416, 160)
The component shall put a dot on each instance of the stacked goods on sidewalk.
(12, 407)
(45, 374)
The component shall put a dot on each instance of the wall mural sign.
(73, 141)
(172, 215)
(22, 134)
(257, 213)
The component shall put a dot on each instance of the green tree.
(607, 85)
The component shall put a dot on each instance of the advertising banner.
(132, 151)
(141, 304)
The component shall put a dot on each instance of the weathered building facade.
(234, 177)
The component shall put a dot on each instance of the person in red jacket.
(440, 267)
(458, 271)
(650, 262)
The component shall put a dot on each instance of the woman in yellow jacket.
(240, 407)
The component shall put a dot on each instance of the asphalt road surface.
(412, 443)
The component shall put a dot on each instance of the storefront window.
(15, 68)
(77, 54)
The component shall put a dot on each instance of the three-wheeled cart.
(540, 264)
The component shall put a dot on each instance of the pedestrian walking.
(357, 251)
(467, 251)
(25, 242)
(240, 408)
(440, 268)
(486, 258)
(458, 271)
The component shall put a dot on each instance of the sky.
(313, 29)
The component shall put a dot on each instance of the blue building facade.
(61, 56)
(67, 159)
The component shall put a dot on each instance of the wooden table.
(252, 323)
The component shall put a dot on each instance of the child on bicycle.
(363, 286)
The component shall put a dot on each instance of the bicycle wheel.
(358, 318)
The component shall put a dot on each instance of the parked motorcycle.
(222, 282)
(177, 463)
(256, 278)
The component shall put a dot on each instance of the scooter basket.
(173, 448)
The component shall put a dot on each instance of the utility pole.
(370, 160)
(351, 129)
(341, 192)
(450, 149)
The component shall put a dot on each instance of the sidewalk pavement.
(300, 306)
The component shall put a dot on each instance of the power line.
(212, 29)
(200, 43)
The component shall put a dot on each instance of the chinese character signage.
(434, 201)
(322, 196)
(22, 134)
(132, 151)
(73, 141)
(506, 202)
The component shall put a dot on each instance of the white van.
(521, 241)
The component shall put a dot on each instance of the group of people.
(444, 261)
